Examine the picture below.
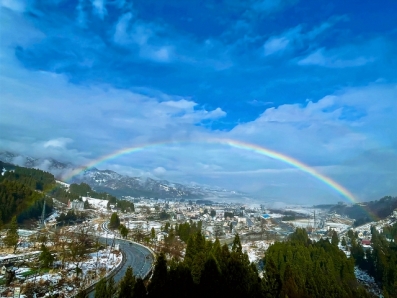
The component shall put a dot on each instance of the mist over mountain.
(124, 185)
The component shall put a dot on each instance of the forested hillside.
(22, 192)
(295, 268)
(379, 208)
(381, 261)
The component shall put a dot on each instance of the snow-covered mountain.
(122, 185)
(47, 164)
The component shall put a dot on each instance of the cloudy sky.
(313, 80)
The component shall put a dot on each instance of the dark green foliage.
(125, 205)
(300, 237)
(82, 294)
(18, 199)
(213, 212)
(60, 193)
(114, 221)
(139, 289)
(334, 239)
(101, 289)
(381, 263)
(164, 215)
(12, 237)
(299, 268)
(105, 289)
(70, 217)
(207, 270)
(127, 284)
(185, 230)
(21, 193)
(158, 282)
(379, 208)
(123, 231)
(31, 178)
(296, 268)
(228, 214)
(46, 259)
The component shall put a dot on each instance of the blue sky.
(310, 79)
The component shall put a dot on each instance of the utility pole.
(42, 218)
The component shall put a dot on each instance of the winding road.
(139, 257)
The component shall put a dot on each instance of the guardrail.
(107, 276)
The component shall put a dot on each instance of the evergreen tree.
(12, 237)
(139, 289)
(111, 288)
(123, 231)
(335, 239)
(101, 289)
(152, 233)
(114, 221)
(45, 257)
(236, 247)
(158, 282)
(127, 284)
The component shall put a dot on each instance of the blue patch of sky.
(87, 54)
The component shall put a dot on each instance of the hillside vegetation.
(361, 212)
(22, 192)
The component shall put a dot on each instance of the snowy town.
(58, 258)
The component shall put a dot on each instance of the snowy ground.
(99, 204)
(368, 281)
(65, 281)
(256, 249)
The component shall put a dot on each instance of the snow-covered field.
(368, 281)
(256, 249)
(65, 281)
(101, 205)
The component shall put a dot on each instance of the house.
(366, 242)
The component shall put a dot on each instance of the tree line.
(380, 262)
(22, 193)
(295, 268)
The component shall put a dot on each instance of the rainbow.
(233, 143)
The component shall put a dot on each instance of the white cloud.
(280, 43)
(59, 142)
(332, 60)
(297, 36)
(159, 171)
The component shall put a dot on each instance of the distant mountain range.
(123, 185)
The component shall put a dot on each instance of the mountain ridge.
(121, 185)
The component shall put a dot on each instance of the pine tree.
(114, 221)
(157, 284)
(236, 247)
(12, 237)
(335, 239)
(127, 284)
(46, 257)
(101, 289)
(139, 289)
(152, 233)
(111, 288)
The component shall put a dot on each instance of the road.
(137, 256)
